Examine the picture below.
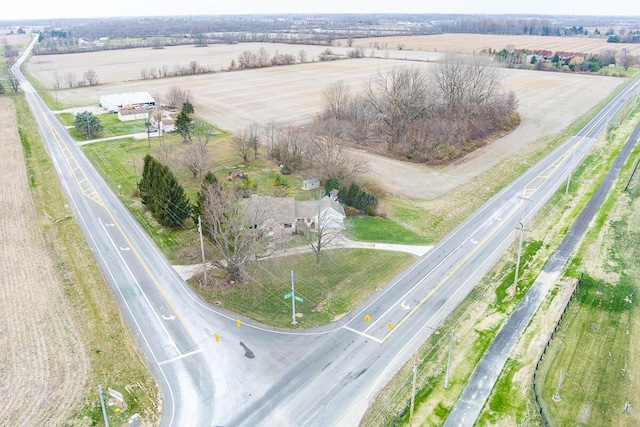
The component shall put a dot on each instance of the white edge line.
(426, 324)
(363, 334)
(133, 277)
(182, 356)
(104, 261)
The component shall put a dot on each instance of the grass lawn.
(112, 126)
(344, 278)
(375, 229)
(591, 364)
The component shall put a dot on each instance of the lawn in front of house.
(343, 279)
(376, 229)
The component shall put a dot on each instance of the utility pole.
(446, 377)
(293, 302)
(413, 392)
(204, 264)
(520, 227)
(135, 174)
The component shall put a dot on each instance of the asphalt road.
(259, 376)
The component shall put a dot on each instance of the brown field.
(474, 43)
(44, 361)
(14, 39)
(548, 102)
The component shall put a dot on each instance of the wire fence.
(545, 420)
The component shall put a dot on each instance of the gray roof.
(278, 209)
(311, 208)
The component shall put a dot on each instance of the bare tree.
(246, 141)
(337, 98)
(176, 96)
(70, 79)
(196, 158)
(327, 157)
(325, 230)
(626, 60)
(302, 54)
(166, 154)
(11, 75)
(270, 137)
(55, 79)
(144, 74)
(234, 226)
(263, 57)
(91, 77)
(194, 67)
(247, 59)
(463, 82)
(398, 98)
(202, 131)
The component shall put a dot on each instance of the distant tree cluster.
(547, 60)
(162, 194)
(261, 58)
(432, 118)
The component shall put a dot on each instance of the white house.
(283, 213)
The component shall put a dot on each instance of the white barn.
(115, 102)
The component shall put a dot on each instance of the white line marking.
(168, 317)
(124, 249)
(182, 356)
(474, 241)
(498, 218)
(363, 334)
(144, 295)
(405, 306)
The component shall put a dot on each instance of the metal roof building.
(126, 100)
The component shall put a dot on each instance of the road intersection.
(257, 375)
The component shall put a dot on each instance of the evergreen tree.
(187, 107)
(209, 179)
(87, 123)
(331, 184)
(173, 206)
(184, 126)
(162, 194)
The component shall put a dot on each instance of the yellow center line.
(527, 193)
(97, 198)
(447, 277)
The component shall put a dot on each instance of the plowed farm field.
(474, 43)
(43, 362)
(548, 102)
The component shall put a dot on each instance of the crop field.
(548, 102)
(474, 43)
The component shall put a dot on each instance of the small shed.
(311, 184)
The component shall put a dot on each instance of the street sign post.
(294, 298)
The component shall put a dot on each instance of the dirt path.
(43, 363)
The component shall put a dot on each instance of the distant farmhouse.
(279, 214)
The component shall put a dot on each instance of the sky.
(49, 9)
